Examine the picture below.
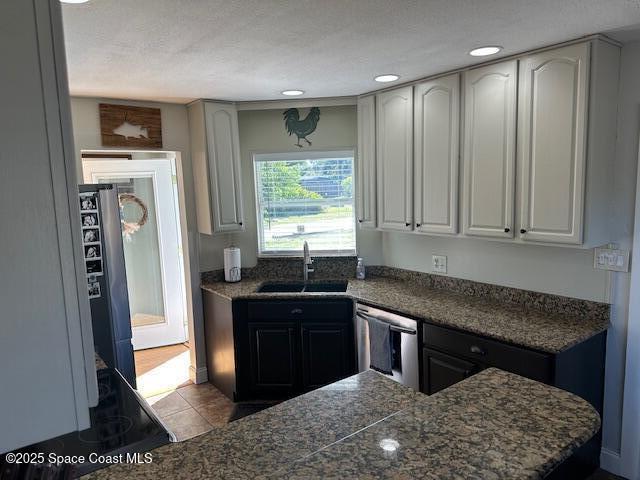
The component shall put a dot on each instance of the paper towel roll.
(232, 264)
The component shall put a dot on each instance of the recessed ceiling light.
(387, 77)
(292, 93)
(74, 1)
(484, 51)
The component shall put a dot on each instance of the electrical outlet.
(438, 263)
(611, 258)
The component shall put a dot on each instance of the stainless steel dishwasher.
(404, 341)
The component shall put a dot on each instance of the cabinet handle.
(359, 220)
(407, 224)
(240, 223)
(507, 229)
(477, 350)
(522, 230)
(296, 311)
(418, 225)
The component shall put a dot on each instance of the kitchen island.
(494, 425)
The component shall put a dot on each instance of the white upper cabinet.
(489, 150)
(552, 126)
(537, 134)
(394, 152)
(366, 168)
(436, 145)
(216, 167)
(225, 179)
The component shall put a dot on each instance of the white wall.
(263, 131)
(622, 225)
(557, 270)
(175, 136)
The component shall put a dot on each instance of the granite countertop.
(492, 425)
(518, 325)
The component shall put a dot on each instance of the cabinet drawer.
(441, 370)
(535, 365)
(307, 310)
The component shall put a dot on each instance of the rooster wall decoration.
(301, 128)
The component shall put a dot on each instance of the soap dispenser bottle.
(360, 273)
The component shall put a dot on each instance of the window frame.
(300, 156)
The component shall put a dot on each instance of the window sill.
(314, 253)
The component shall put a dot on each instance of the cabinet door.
(326, 356)
(366, 179)
(436, 145)
(489, 150)
(552, 127)
(223, 148)
(441, 371)
(272, 359)
(394, 152)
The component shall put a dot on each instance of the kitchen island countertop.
(492, 425)
(527, 327)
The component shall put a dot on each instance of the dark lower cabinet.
(442, 371)
(272, 354)
(450, 356)
(464, 348)
(285, 348)
(325, 353)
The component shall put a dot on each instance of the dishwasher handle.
(393, 327)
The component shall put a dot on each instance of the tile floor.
(186, 409)
(192, 410)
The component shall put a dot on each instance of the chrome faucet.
(306, 262)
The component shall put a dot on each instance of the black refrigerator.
(106, 277)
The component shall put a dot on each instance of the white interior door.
(153, 259)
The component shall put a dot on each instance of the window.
(305, 196)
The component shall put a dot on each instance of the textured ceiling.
(179, 50)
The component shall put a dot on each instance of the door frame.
(190, 259)
(161, 172)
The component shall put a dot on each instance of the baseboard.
(198, 375)
(611, 461)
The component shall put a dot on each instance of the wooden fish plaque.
(128, 126)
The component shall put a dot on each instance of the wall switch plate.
(611, 258)
(438, 263)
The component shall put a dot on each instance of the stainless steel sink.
(300, 287)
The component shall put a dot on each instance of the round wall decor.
(129, 228)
